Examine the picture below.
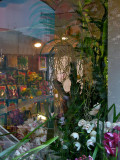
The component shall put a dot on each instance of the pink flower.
(117, 128)
(111, 142)
(90, 158)
(84, 158)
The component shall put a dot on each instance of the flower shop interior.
(59, 96)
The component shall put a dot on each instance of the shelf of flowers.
(17, 86)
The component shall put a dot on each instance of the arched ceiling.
(53, 3)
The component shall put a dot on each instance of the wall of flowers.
(18, 85)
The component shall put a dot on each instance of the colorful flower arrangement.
(3, 78)
(25, 92)
(11, 77)
(12, 91)
(44, 87)
(33, 77)
(86, 136)
(3, 92)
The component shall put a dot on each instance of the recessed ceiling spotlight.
(37, 44)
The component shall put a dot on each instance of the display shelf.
(14, 81)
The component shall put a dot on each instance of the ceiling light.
(37, 45)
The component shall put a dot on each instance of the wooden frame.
(42, 64)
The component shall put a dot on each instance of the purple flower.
(84, 158)
(90, 158)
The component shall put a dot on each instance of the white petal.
(93, 134)
(108, 124)
(81, 122)
(75, 135)
(77, 145)
(93, 139)
(93, 112)
(65, 147)
(90, 143)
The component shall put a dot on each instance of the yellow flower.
(39, 93)
(24, 89)
(31, 97)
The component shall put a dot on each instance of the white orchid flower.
(108, 127)
(118, 124)
(77, 145)
(65, 147)
(105, 130)
(94, 121)
(81, 122)
(75, 135)
(93, 112)
(93, 133)
(93, 139)
(90, 143)
(108, 124)
(88, 127)
(97, 106)
(95, 109)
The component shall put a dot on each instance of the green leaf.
(109, 110)
(114, 113)
(116, 118)
(100, 146)
(8, 151)
(95, 152)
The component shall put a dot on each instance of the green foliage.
(22, 61)
(96, 48)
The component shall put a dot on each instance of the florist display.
(3, 92)
(11, 77)
(12, 91)
(44, 87)
(3, 119)
(11, 104)
(3, 107)
(22, 89)
(3, 78)
(33, 77)
(25, 92)
(23, 63)
(21, 78)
